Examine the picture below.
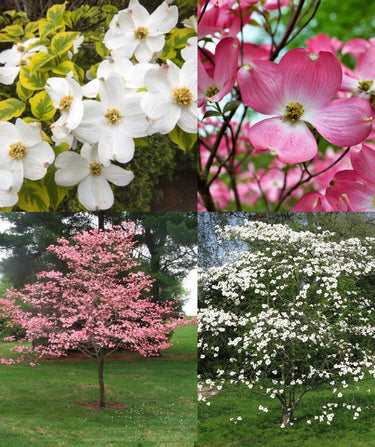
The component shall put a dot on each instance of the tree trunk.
(100, 362)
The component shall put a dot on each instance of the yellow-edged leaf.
(13, 30)
(32, 80)
(11, 108)
(33, 196)
(56, 13)
(39, 60)
(46, 27)
(68, 66)
(63, 42)
(31, 27)
(42, 107)
(22, 92)
(56, 193)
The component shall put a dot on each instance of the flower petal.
(312, 201)
(363, 161)
(163, 19)
(260, 86)
(37, 160)
(309, 79)
(117, 175)
(292, 143)
(93, 124)
(343, 122)
(95, 193)
(71, 169)
(29, 134)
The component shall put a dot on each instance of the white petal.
(162, 111)
(74, 116)
(144, 52)
(117, 175)
(112, 91)
(29, 134)
(116, 145)
(91, 89)
(57, 88)
(93, 124)
(37, 160)
(95, 193)
(163, 19)
(8, 198)
(137, 12)
(188, 119)
(157, 80)
(71, 169)
(5, 180)
(8, 75)
(8, 135)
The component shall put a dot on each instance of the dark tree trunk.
(100, 362)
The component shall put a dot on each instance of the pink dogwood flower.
(225, 71)
(301, 88)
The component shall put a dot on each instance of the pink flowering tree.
(101, 305)
(278, 122)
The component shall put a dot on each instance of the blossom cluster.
(288, 104)
(131, 95)
(103, 302)
(285, 316)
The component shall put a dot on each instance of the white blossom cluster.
(285, 316)
(132, 97)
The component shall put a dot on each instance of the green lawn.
(263, 429)
(40, 406)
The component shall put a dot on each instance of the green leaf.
(13, 30)
(184, 141)
(42, 107)
(23, 93)
(32, 80)
(56, 193)
(68, 66)
(63, 42)
(33, 196)
(56, 13)
(38, 60)
(11, 108)
(231, 105)
(101, 49)
(211, 113)
(46, 27)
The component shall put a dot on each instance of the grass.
(263, 429)
(40, 406)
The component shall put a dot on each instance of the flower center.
(183, 96)
(17, 151)
(21, 48)
(212, 91)
(95, 168)
(113, 116)
(141, 33)
(294, 111)
(365, 85)
(65, 103)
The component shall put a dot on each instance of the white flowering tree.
(69, 120)
(284, 315)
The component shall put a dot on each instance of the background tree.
(99, 306)
(286, 314)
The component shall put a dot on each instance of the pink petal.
(363, 161)
(292, 143)
(366, 67)
(312, 202)
(362, 196)
(204, 80)
(337, 192)
(260, 86)
(343, 122)
(226, 57)
(310, 79)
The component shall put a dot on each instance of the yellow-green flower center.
(113, 116)
(95, 168)
(183, 96)
(21, 48)
(211, 91)
(141, 33)
(17, 151)
(65, 103)
(294, 111)
(365, 85)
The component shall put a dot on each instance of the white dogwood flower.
(171, 98)
(113, 122)
(85, 169)
(135, 31)
(23, 152)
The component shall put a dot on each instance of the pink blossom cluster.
(282, 129)
(103, 302)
